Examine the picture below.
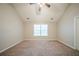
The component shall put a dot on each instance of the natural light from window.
(40, 30)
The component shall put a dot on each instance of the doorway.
(76, 33)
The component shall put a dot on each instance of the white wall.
(43, 18)
(51, 31)
(65, 26)
(11, 27)
(25, 10)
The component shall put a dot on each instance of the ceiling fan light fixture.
(40, 4)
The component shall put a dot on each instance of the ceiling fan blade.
(31, 3)
(48, 5)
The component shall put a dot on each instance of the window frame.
(41, 26)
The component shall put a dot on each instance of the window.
(40, 30)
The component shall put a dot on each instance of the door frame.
(75, 32)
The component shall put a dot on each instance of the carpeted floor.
(40, 48)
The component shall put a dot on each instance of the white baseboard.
(66, 44)
(40, 39)
(11, 46)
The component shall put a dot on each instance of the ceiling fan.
(46, 4)
(39, 6)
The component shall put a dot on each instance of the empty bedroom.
(39, 29)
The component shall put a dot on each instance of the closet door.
(77, 33)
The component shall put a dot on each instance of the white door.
(77, 33)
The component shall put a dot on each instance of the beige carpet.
(40, 48)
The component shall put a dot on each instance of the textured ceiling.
(29, 11)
